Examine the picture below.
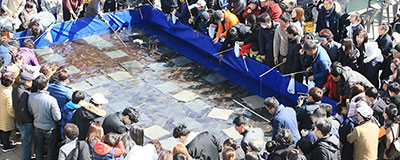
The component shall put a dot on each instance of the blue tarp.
(182, 38)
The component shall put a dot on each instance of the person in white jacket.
(372, 60)
(14, 8)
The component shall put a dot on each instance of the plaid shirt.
(66, 115)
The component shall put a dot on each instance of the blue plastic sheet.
(196, 46)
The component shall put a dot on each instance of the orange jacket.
(230, 21)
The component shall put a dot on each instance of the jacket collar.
(190, 137)
(90, 107)
(278, 109)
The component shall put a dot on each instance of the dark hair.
(271, 102)
(355, 90)
(293, 155)
(157, 145)
(132, 114)
(165, 155)
(252, 19)
(230, 142)
(28, 43)
(35, 27)
(233, 33)
(239, 120)
(62, 75)
(327, 34)
(319, 113)
(137, 134)
(372, 92)
(316, 93)
(387, 27)
(362, 32)
(180, 130)
(323, 125)
(71, 131)
(112, 139)
(7, 79)
(304, 145)
(251, 156)
(263, 18)
(228, 153)
(284, 137)
(292, 30)
(17, 58)
(336, 70)
(394, 87)
(309, 45)
(328, 108)
(77, 96)
(392, 113)
(349, 48)
(29, 4)
(285, 17)
(179, 156)
(40, 82)
(270, 146)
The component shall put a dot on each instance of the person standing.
(327, 146)
(281, 42)
(321, 62)
(14, 8)
(328, 18)
(7, 124)
(59, 89)
(72, 8)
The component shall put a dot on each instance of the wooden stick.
(271, 69)
(295, 73)
(222, 51)
(255, 113)
(245, 64)
(24, 37)
(39, 37)
(117, 35)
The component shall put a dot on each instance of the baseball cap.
(217, 16)
(26, 76)
(365, 111)
(201, 3)
(396, 48)
(99, 98)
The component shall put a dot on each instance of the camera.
(302, 98)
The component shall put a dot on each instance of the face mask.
(263, 26)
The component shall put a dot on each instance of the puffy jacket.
(385, 43)
(20, 96)
(350, 77)
(326, 148)
(101, 149)
(62, 93)
(349, 60)
(305, 115)
(229, 22)
(243, 32)
(293, 57)
(203, 146)
(320, 66)
(114, 123)
(265, 43)
(256, 12)
(274, 12)
(85, 115)
(6, 109)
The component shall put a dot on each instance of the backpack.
(74, 154)
(108, 156)
(394, 150)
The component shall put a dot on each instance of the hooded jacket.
(326, 148)
(20, 96)
(103, 149)
(114, 123)
(350, 77)
(85, 115)
(66, 114)
(203, 146)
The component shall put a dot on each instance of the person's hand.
(304, 132)
(309, 69)
(292, 75)
(284, 60)
(73, 15)
(213, 25)
(190, 21)
(173, 12)
(276, 61)
(300, 102)
(240, 43)
(80, 8)
(301, 51)
(311, 78)
(215, 41)
(324, 89)
(249, 11)
(262, 57)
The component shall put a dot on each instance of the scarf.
(328, 14)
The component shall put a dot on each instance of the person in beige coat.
(365, 136)
(6, 111)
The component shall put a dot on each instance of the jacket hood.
(102, 149)
(329, 142)
(93, 109)
(71, 105)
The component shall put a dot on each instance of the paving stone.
(169, 143)
(214, 78)
(108, 109)
(120, 75)
(155, 132)
(189, 122)
(144, 120)
(101, 90)
(98, 42)
(218, 113)
(151, 77)
(254, 101)
(128, 65)
(165, 50)
(158, 66)
(197, 105)
(116, 54)
(73, 70)
(52, 58)
(185, 96)
(167, 87)
(81, 86)
(43, 51)
(232, 133)
(99, 80)
(119, 105)
(181, 61)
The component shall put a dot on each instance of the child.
(69, 109)
(111, 148)
(73, 149)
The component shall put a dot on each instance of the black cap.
(396, 48)
(217, 16)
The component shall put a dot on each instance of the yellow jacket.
(365, 139)
(6, 109)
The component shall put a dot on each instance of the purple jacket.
(29, 56)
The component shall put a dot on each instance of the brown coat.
(365, 139)
(6, 109)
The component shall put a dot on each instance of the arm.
(215, 142)
(261, 43)
(296, 56)
(324, 70)
(183, 12)
(67, 4)
(220, 30)
(352, 137)
(59, 7)
(9, 107)
(4, 6)
(55, 110)
(21, 7)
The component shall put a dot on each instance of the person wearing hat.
(202, 22)
(272, 8)
(252, 8)
(201, 7)
(116, 122)
(365, 136)
(225, 20)
(396, 51)
(89, 113)
(23, 119)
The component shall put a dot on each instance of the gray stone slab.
(120, 105)
(116, 54)
(185, 96)
(155, 132)
(167, 87)
(101, 90)
(43, 51)
(165, 50)
(254, 101)
(151, 77)
(81, 86)
(169, 143)
(158, 66)
(197, 105)
(181, 61)
(128, 65)
(120, 75)
(108, 110)
(214, 78)
(98, 42)
(99, 80)
(144, 120)
(189, 122)
(73, 70)
(52, 58)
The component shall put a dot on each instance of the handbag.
(394, 150)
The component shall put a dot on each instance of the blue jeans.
(26, 131)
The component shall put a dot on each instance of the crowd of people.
(315, 36)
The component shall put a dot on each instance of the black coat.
(379, 108)
(385, 43)
(243, 32)
(20, 96)
(334, 20)
(114, 123)
(265, 44)
(204, 147)
(346, 128)
(293, 57)
(326, 148)
(332, 49)
(349, 60)
(83, 118)
(350, 77)
(168, 5)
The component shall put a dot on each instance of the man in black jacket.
(116, 122)
(378, 105)
(23, 118)
(89, 113)
(249, 133)
(293, 55)
(328, 18)
(327, 146)
(199, 145)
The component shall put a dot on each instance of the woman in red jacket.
(252, 8)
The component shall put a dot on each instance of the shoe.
(12, 147)
(1, 144)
